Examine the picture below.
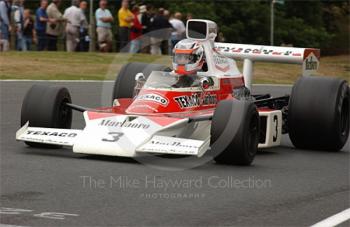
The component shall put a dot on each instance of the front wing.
(121, 135)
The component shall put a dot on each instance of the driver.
(187, 61)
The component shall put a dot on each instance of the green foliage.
(244, 21)
(336, 17)
(294, 31)
(297, 23)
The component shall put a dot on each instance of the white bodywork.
(125, 136)
(54, 136)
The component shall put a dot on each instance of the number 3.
(275, 121)
(115, 137)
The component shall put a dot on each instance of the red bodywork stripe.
(98, 115)
(163, 121)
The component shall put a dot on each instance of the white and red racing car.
(204, 105)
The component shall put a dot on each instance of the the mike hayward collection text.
(164, 183)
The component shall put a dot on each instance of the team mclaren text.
(257, 51)
(194, 100)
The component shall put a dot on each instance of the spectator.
(54, 28)
(179, 27)
(40, 25)
(189, 16)
(166, 14)
(221, 38)
(146, 16)
(135, 32)
(28, 29)
(159, 31)
(84, 42)
(142, 10)
(104, 20)
(75, 18)
(5, 27)
(165, 45)
(125, 18)
(18, 15)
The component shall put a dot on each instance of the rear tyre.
(235, 132)
(125, 82)
(44, 106)
(318, 116)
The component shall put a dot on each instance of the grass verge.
(98, 66)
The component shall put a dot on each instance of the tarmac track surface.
(284, 187)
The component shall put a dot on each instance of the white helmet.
(188, 57)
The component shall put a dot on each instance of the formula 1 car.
(157, 110)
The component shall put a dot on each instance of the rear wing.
(206, 31)
(308, 58)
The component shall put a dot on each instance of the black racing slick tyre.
(125, 82)
(318, 113)
(44, 106)
(235, 132)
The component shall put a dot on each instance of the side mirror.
(206, 82)
(140, 81)
(140, 77)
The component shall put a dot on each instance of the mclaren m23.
(213, 112)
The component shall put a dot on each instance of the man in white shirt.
(18, 17)
(54, 28)
(104, 21)
(75, 18)
(179, 27)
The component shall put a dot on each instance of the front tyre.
(44, 106)
(235, 132)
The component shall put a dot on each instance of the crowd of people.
(139, 28)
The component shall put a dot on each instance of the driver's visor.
(183, 59)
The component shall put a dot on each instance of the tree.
(336, 21)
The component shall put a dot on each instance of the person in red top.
(135, 32)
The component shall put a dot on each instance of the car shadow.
(68, 153)
(109, 158)
(267, 152)
(62, 152)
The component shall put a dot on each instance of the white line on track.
(110, 81)
(335, 219)
(60, 81)
(4, 225)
